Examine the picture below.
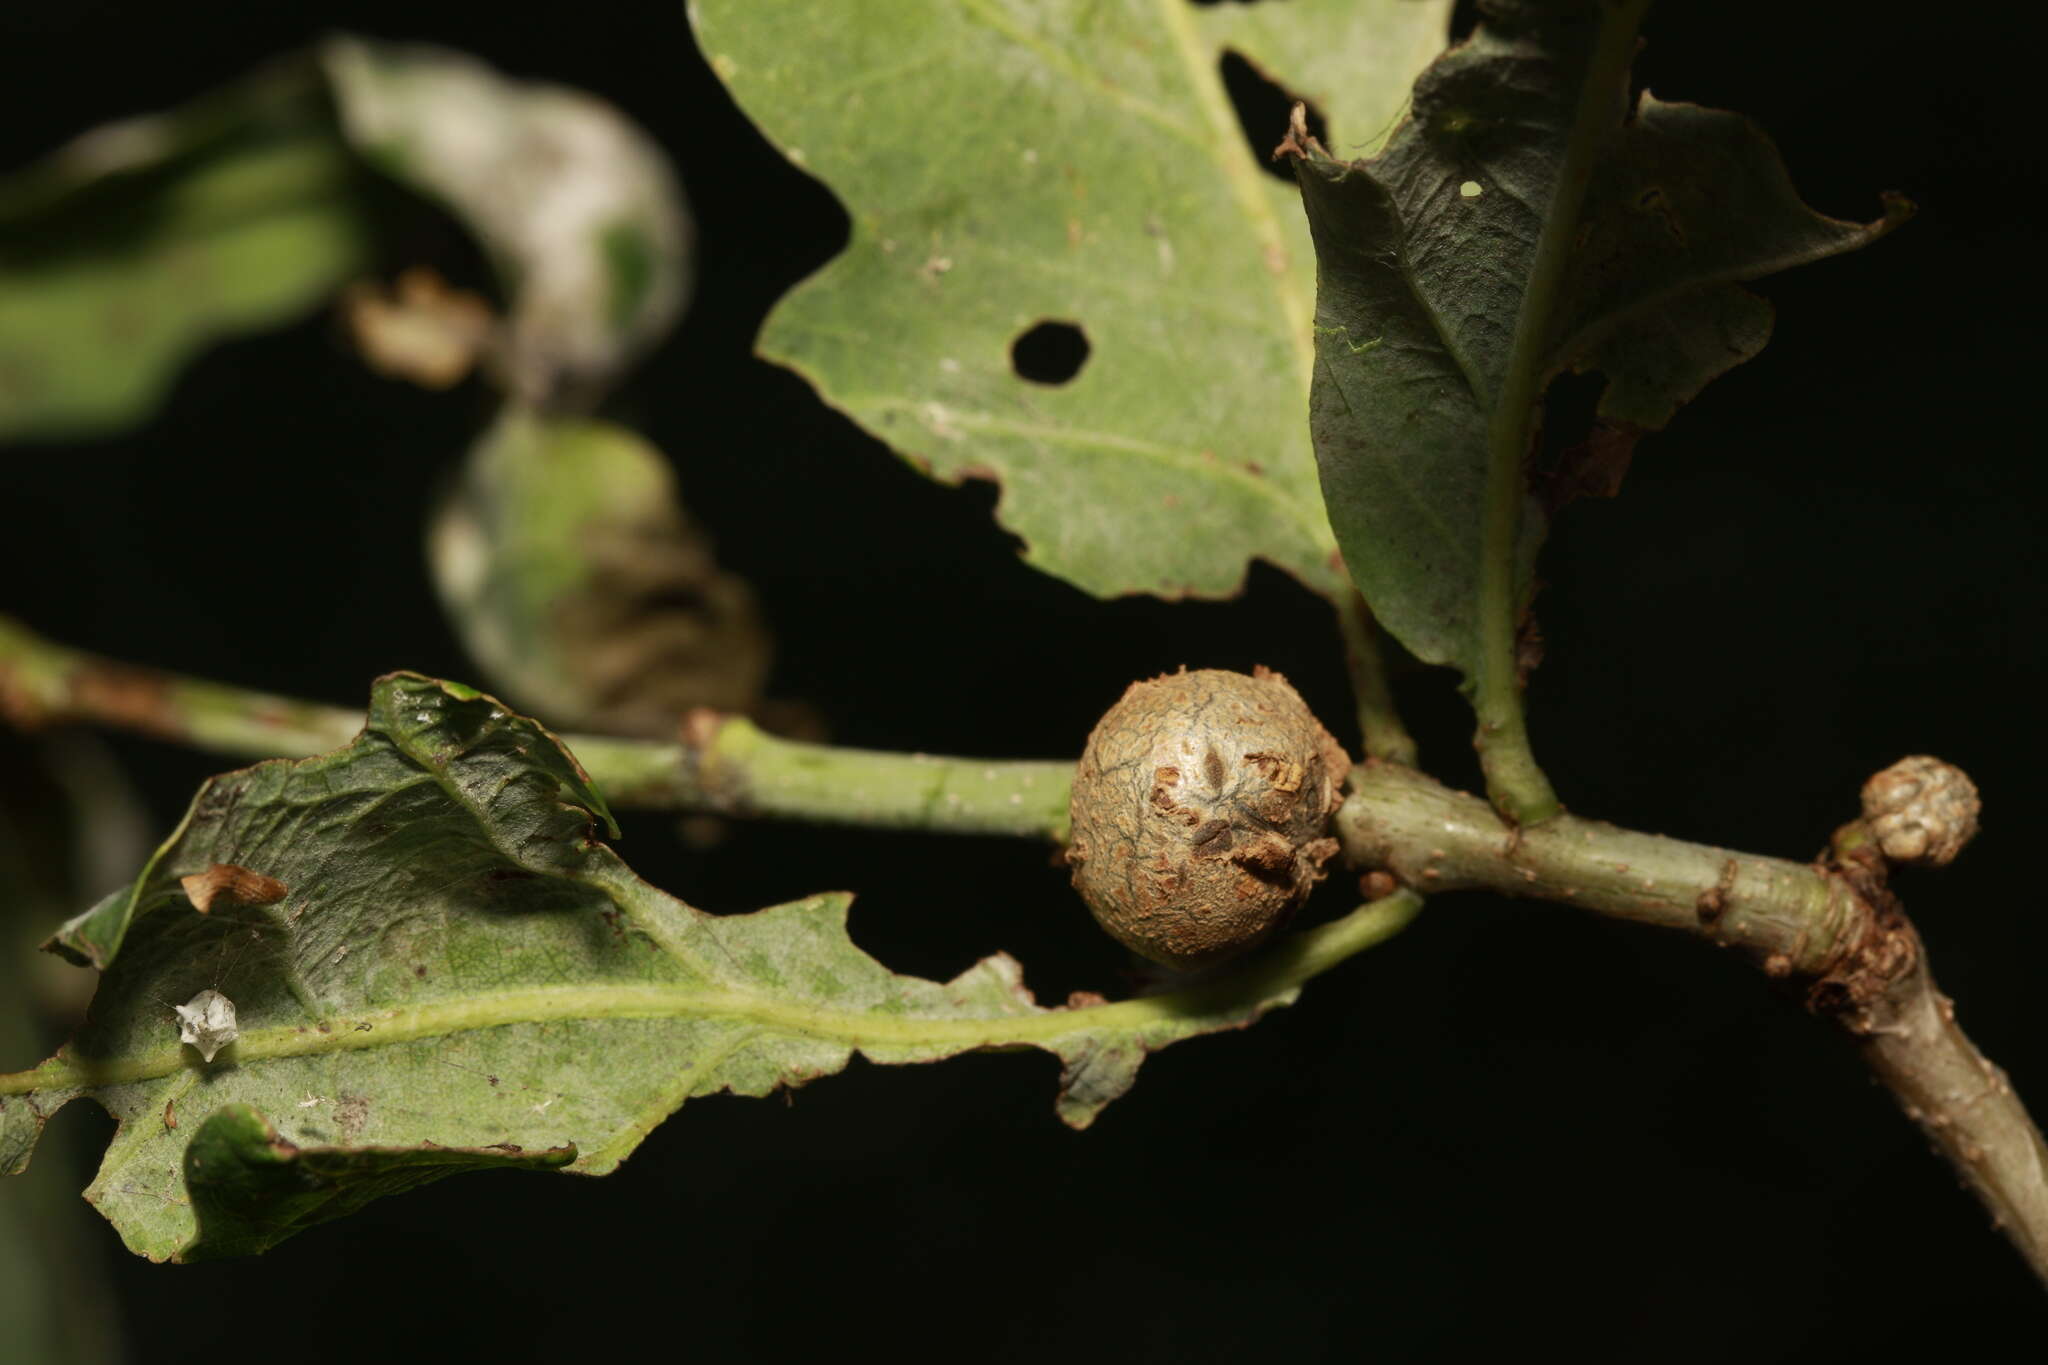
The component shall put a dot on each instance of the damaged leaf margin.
(459, 966)
(576, 578)
(1108, 188)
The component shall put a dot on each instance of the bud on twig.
(1922, 810)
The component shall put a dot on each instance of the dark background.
(1515, 1125)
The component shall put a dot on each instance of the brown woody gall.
(1200, 811)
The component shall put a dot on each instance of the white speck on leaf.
(309, 1101)
(207, 1022)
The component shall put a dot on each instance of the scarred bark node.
(1201, 812)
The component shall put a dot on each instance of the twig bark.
(1832, 930)
(727, 765)
(1964, 1103)
(721, 765)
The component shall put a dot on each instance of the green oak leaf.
(1456, 279)
(436, 962)
(141, 243)
(578, 582)
(1077, 162)
(436, 726)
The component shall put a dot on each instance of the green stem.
(44, 683)
(1513, 780)
(729, 766)
(1379, 724)
(724, 765)
(1833, 930)
(1789, 916)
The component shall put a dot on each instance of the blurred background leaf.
(579, 584)
(144, 241)
(575, 205)
(564, 557)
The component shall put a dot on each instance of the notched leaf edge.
(584, 961)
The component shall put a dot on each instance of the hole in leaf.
(1263, 107)
(1050, 352)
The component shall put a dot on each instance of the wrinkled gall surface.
(1922, 810)
(1200, 813)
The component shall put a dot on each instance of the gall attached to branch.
(1922, 810)
(1201, 812)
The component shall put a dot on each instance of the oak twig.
(721, 765)
(1832, 929)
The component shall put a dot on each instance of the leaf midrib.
(1264, 985)
(602, 1001)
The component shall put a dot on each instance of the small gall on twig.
(1922, 810)
(207, 1022)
